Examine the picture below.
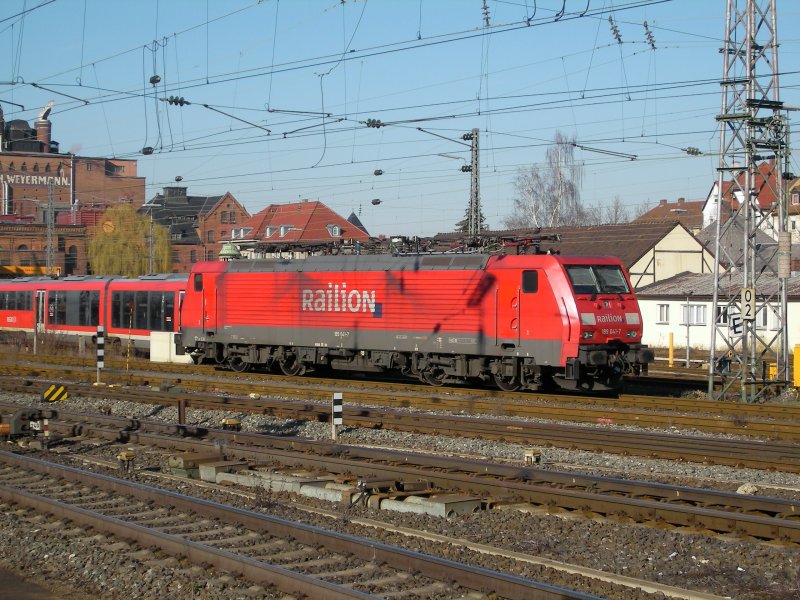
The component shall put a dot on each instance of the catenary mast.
(752, 247)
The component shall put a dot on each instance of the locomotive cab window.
(597, 279)
(198, 282)
(530, 281)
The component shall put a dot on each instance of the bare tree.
(549, 195)
(613, 214)
(616, 212)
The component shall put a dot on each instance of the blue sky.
(289, 84)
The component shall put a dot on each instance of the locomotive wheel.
(507, 384)
(237, 364)
(434, 377)
(290, 366)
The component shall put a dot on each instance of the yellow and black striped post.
(55, 393)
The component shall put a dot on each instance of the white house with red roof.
(764, 188)
(297, 229)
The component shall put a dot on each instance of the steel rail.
(750, 419)
(750, 453)
(469, 576)
(764, 518)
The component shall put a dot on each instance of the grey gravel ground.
(739, 569)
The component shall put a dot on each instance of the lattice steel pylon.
(474, 209)
(749, 347)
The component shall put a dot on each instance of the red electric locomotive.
(75, 306)
(522, 321)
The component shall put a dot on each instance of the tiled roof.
(300, 222)
(627, 241)
(732, 241)
(701, 285)
(175, 204)
(689, 214)
(353, 218)
(765, 172)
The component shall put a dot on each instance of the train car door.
(39, 310)
(208, 290)
(178, 309)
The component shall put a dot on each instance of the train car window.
(597, 279)
(611, 279)
(58, 308)
(140, 319)
(84, 308)
(116, 309)
(94, 309)
(24, 300)
(4, 300)
(127, 309)
(156, 303)
(198, 282)
(582, 278)
(530, 281)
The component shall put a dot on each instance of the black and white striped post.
(101, 350)
(336, 409)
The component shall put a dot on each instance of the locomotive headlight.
(587, 335)
(632, 333)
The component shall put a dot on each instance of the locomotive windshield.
(597, 279)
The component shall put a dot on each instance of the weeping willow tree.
(120, 244)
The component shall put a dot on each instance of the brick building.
(23, 249)
(296, 230)
(33, 172)
(198, 225)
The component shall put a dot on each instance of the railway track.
(293, 557)
(775, 421)
(377, 476)
(759, 454)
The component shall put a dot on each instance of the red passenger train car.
(129, 309)
(522, 321)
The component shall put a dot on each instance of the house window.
(795, 197)
(722, 315)
(210, 237)
(334, 230)
(285, 229)
(223, 217)
(222, 234)
(663, 313)
(233, 216)
(89, 166)
(762, 317)
(269, 231)
(193, 256)
(694, 314)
